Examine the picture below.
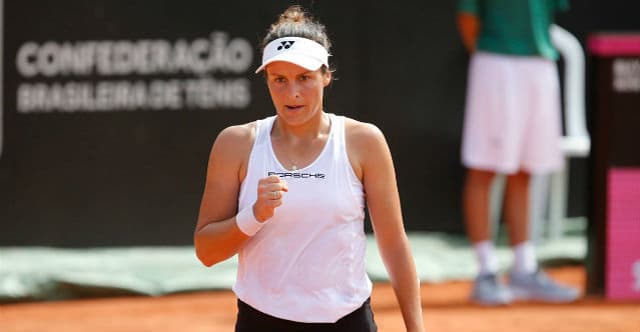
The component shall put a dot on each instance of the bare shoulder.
(365, 144)
(237, 134)
(234, 141)
(362, 134)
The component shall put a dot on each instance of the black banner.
(110, 107)
(110, 110)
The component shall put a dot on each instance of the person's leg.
(490, 143)
(516, 212)
(516, 207)
(476, 204)
(487, 289)
(540, 153)
(526, 281)
(476, 201)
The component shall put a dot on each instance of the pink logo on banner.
(623, 234)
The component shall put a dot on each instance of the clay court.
(445, 305)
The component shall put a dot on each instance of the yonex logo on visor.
(285, 44)
(303, 52)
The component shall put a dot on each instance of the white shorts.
(513, 115)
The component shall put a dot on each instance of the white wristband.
(247, 222)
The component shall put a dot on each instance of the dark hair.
(295, 22)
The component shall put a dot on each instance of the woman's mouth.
(293, 107)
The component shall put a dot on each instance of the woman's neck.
(318, 126)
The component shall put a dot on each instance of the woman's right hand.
(270, 192)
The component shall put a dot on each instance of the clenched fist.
(270, 192)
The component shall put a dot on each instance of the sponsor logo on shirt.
(297, 175)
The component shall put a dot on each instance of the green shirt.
(518, 27)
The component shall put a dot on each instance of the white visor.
(303, 52)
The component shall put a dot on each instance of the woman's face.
(295, 91)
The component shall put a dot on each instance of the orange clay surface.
(446, 309)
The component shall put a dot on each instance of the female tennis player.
(287, 194)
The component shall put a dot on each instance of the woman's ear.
(326, 78)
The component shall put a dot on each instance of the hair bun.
(296, 22)
(293, 14)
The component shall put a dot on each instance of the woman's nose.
(294, 90)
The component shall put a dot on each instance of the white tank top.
(307, 264)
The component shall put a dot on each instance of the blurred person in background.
(512, 126)
(287, 194)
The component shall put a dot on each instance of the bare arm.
(469, 27)
(372, 162)
(217, 236)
